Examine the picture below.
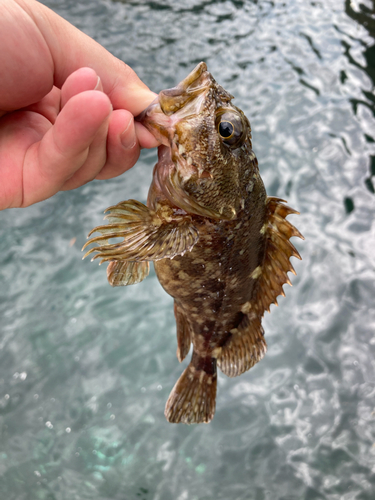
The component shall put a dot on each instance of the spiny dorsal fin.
(245, 347)
(123, 272)
(148, 234)
(272, 275)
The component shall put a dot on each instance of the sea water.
(85, 369)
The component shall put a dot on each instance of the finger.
(122, 145)
(125, 138)
(86, 79)
(25, 58)
(145, 138)
(65, 147)
(18, 132)
(94, 163)
(95, 160)
(81, 80)
(49, 106)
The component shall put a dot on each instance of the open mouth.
(175, 104)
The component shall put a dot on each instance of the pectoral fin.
(148, 235)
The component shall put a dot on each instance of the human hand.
(60, 124)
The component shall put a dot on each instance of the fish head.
(206, 146)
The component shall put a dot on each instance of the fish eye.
(226, 130)
(230, 128)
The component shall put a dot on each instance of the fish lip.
(197, 81)
(169, 101)
(193, 76)
(156, 122)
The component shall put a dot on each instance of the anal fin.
(123, 272)
(243, 349)
(184, 335)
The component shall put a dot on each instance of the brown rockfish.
(220, 246)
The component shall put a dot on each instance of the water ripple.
(85, 369)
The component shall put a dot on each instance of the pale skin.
(67, 107)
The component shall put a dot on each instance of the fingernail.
(128, 137)
(98, 85)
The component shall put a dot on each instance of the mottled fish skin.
(220, 246)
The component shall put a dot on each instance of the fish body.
(220, 246)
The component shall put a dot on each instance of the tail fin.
(193, 398)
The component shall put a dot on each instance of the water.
(85, 370)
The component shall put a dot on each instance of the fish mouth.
(198, 81)
(175, 104)
(171, 100)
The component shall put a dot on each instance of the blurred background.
(85, 370)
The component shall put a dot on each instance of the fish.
(220, 246)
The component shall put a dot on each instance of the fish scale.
(220, 246)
